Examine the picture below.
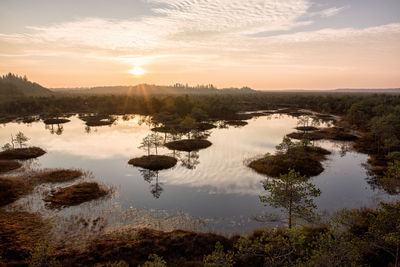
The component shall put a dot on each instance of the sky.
(263, 44)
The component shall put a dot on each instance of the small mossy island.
(236, 123)
(188, 145)
(9, 165)
(58, 176)
(55, 121)
(305, 159)
(98, 120)
(334, 133)
(75, 194)
(12, 189)
(21, 153)
(177, 128)
(154, 162)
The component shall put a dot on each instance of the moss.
(154, 162)
(22, 153)
(55, 121)
(188, 145)
(9, 165)
(58, 176)
(75, 194)
(19, 234)
(326, 133)
(12, 189)
(306, 162)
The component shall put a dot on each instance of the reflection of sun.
(137, 71)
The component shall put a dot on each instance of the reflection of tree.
(189, 159)
(156, 187)
(344, 147)
(55, 130)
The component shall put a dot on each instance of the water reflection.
(152, 178)
(58, 129)
(208, 183)
(188, 159)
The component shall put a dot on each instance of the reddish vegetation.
(12, 189)
(154, 162)
(19, 233)
(178, 248)
(9, 165)
(22, 153)
(58, 176)
(75, 194)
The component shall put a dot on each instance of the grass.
(55, 121)
(58, 176)
(21, 153)
(11, 189)
(9, 165)
(75, 194)
(154, 162)
(20, 232)
(326, 133)
(188, 145)
(306, 162)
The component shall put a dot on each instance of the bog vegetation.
(361, 237)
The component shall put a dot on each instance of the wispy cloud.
(199, 35)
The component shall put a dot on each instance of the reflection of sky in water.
(219, 186)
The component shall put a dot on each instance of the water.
(208, 190)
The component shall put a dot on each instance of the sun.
(137, 71)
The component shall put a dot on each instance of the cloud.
(203, 36)
(249, 16)
(329, 12)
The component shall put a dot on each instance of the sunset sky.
(264, 44)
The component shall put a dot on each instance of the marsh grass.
(9, 165)
(76, 194)
(20, 232)
(12, 189)
(58, 176)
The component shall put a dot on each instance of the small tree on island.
(293, 194)
(188, 124)
(21, 139)
(286, 145)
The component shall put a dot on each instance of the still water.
(209, 190)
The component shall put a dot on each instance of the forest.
(359, 237)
